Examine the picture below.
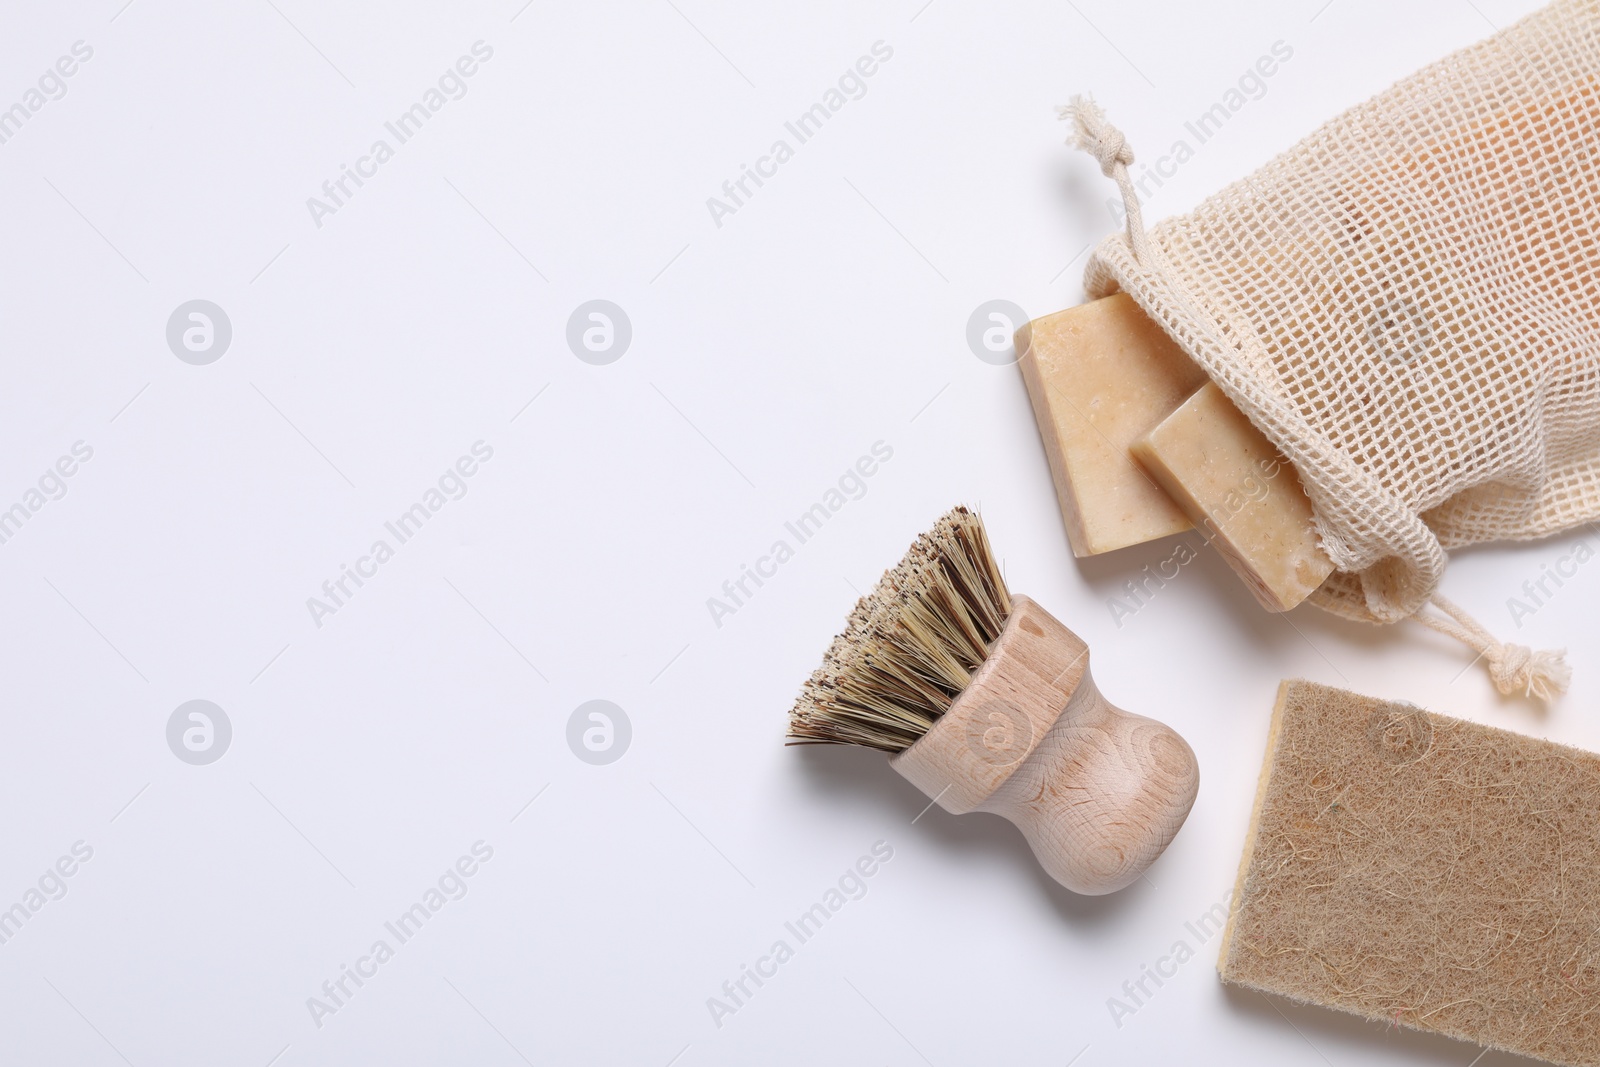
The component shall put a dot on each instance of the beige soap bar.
(1241, 493)
(1101, 375)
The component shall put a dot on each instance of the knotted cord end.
(1095, 135)
(1541, 674)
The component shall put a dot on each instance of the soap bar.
(1241, 493)
(1101, 375)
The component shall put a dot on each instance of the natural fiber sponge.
(1421, 870)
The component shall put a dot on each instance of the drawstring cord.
(1545, 674)
(1106, 144)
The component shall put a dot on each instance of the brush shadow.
(1317, 1024)
(863, 777)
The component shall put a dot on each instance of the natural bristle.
(911, 645)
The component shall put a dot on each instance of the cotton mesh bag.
(1407, 304)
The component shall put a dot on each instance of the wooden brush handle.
(1098, 793)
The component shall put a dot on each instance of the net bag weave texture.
(1407, 303)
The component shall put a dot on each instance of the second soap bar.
(1241, 494)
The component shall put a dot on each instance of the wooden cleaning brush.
(986, 703)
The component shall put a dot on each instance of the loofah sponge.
(1423, 871)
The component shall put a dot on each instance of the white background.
(768, 354)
